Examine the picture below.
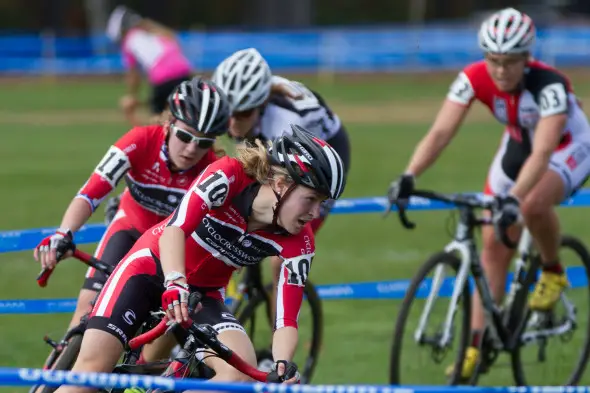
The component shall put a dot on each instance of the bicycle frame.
(502, 323)
(249, 286)
(464, 246)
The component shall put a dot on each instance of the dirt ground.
(391, 112)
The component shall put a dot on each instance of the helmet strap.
(280, 200)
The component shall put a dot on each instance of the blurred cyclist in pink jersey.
(153, 48)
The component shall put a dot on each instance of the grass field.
(55, 132)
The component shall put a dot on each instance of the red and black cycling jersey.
(214, 218)
(544, 92)
(153, 190)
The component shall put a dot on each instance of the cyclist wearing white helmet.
(261, 111)
(263, 105)
(543, 158)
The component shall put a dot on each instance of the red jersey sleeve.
(114, 165)
(210, 190)
(297, 255)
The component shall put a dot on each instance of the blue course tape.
(395, 289)
(28, 377)
(21, 240)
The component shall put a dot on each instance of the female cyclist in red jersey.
(239, 211)
(153, 48)
(544, 155)
(160, 162)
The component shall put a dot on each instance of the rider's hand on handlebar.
(400, 190)
(287, 372)
(175, 300)
(54, 248)
(506, 211)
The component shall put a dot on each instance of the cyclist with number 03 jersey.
(237, 212)
(544, 154)
(153, 48)
(159, 162)
(260, 111)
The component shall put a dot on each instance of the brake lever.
(403, 217)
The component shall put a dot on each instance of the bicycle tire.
(518, 372)
(396, 348)
(315, 303)
(66, 360)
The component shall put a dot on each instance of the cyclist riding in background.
(260, 112)
(544, 154)
(153, 48)
(238, 211)
(160, 162)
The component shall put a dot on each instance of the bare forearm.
(172, 245)
(133, 82)
(284, 343)
(530, 174)
(76, 215)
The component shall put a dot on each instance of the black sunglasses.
(186, 137)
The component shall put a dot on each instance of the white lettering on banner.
(419, 201)
(95, 379)
(337, 290)
(394, 286)
(12, 305)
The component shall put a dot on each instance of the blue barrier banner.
(394, 289)
(20, 240)
(394, 48)
(29, 376)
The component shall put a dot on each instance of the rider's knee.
(535, 208)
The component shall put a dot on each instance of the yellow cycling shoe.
(134, 390)
(469, 364)
(547, 291)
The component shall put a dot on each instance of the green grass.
(42, 167)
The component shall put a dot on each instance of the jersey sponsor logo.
(130, 148)
(501, 109)
(528, 115)
(230, 242)
(129, 317)
(182, 180)
(307, 249)
(159, 200)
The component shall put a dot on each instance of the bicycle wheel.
(417, 292)
(312, 337)
(567, 328)
(65, 361)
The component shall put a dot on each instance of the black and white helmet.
(121, 20)
(246, 79)
(310, 161)
(507, 31)
(202, 105)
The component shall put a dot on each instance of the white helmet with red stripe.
(507, 31)
(310, 161)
